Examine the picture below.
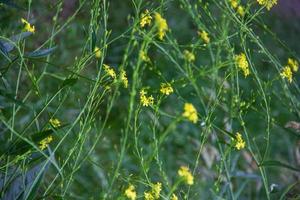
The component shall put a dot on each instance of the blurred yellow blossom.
(124, 78)
(204, 36)
(161, 25)
(55, 122)
(174, 197)
(156, 189)
(154, 193)
(239, 8)
(239, 143)
(242, 63)
(110, 71)
(293, 64)
(144, 57)
(234, 3)
(189, 56)
(241, 11)
(97, 52)
(44, 143)
(287, 73)
(146, 100)
(27, 26)
(145, 19)
(148, 196)
(267, 3)
(166, 88)
(190, 112)
(130, 192)
(187, 176)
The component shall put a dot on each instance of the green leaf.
(94, 40)
(9, 46)
(69, 82)
(288, 189)
(33, 189)
(3, 49)
(11, 4)
(275, 163)
(22, 146)
(21, 181)
(40, 53)
(11, 98)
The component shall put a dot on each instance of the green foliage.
(107, 99)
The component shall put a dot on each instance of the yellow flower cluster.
(156, 189)
(293, 64)
(27, 26)
(189, 56)
(97, 52)
(55, 122)
(44, 143)
(148, 196)
(124, 78)
(234, 3)
(144, 57)
(267, 3)
(239, 142)
(154, 193)
(161, 25)
(204, 36)
(146, 100)
(187, 176)
(239, 8)
(174, 197)
(130, 192)
(110, 71)
(145, 19)
(242, 63)
(166, 88)
(190, 112)
(287, 71)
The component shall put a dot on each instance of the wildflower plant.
(148, 100)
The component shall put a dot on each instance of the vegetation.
(138, 99)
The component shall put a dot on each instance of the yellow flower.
(234, 3)
(145, 19)
(174, 197)
(190, 112)
(55, 122)
(44, 143)
(154, 193)
(242, 63)
(97, 52)
(110, 71)
(27, 26)
(124, 78)
(287, 73)
(293, 64)
(146, 100)
(166, 88)
(189, 56)
(130, 192)
(187, 176)
(267, 3)
(204, 36)
(156, 189)
(241, 11)
(240, 143)
(144, 57)
(161, 25)
(148, 196)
